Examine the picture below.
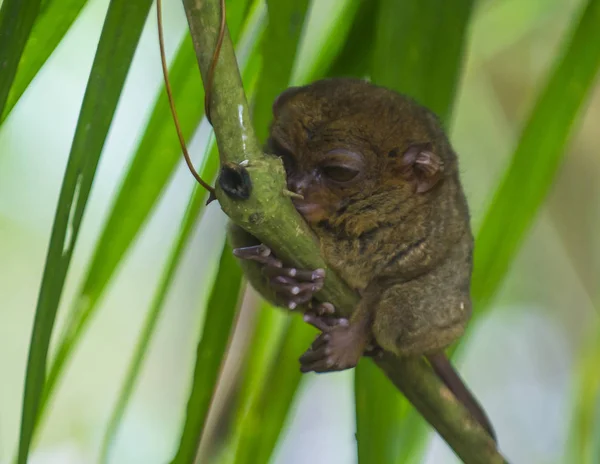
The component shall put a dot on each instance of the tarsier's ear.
(423, 165)
(283, 98)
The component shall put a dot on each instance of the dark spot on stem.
(235, 181)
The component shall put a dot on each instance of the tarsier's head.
(343, 141)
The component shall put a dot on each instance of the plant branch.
(269, 215)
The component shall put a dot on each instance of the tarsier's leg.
(286, 287)
(341, 345)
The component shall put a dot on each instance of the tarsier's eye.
(339, 173)
(342, 166)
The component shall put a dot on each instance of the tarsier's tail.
(446, 372)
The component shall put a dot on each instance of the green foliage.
(380, 414)
(538, 155)
(585, 424)
(120, 35)
(51, 25)
(211, 350)
(153, 164)
(16, 20)
(193, 212)
(426, 41)
(285, 21)
(413, 47)
(267, 414)
(258, 364)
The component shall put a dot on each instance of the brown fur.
(398, 232)
(407, 252)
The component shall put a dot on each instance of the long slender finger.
(299, 275)
(260, 253)
(323, 309)
(295, 288)
(326, 323)
(252, 251)
(317, 322)
(320, 342)
(322, 365)
(312, 356)
(281, 279)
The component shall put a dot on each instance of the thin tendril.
(163, 60)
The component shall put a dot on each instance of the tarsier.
(377, 181)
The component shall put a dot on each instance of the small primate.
(377, 181)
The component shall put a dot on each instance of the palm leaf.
(264, 421)
(152, 166)
(583, 446)
(538, 155)
(16, 21)
(120, 35)
(535, 162)
(262, 348)
(211, 349)
(194, 210)
(51, 25)
(285, 21)
(415, 43)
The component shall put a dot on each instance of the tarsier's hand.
(339, 346)
(293, 287)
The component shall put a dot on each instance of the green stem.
(270, 216)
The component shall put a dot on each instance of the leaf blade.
(16, 21)
(377, 415)
(426, 38)
(120, 35)
(194, 210)
(213, 342)
(585, 423)
(537, 157)
(267, 414)
(280, 44)
(153, 164)
(50, 27)
(508, 204)
(258, 360)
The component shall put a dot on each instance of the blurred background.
(523, 359)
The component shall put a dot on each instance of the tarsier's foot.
(339, 347)
(293, 286)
